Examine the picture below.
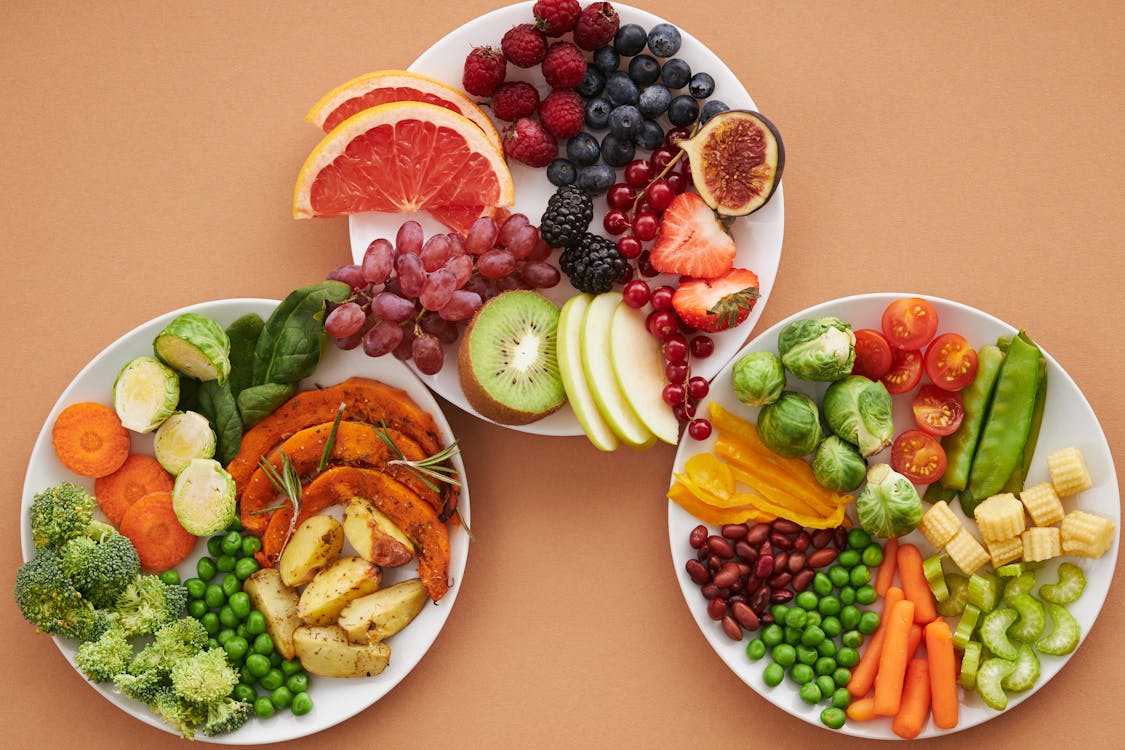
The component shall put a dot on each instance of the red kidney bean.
(796, 562)
(765, 619)
(746, 551)
(780, 541)
(765, 548)
(714, 563)
(698, 572)
(732, 629)
(780, 580)
(760, 599)
(785, 526)
(745, 569)
(780, 560)
(720, 547)
(717, 608)
(698, 536)
(734, 531)
(764, 567)
(781, 596)
(801, 541)
(821, 537)
(726, 575)
(739, 585)
(802, 579)
(744, 616)
(703, 553)
(840, 537)
(821, 557)
(752, 584)
(709, 590)
(758, 533)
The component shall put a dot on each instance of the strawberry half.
(717, 304)
(692, 240)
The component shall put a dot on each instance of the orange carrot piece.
(885, 575)
(911, 716)
(914, 583)
(863, 676)
(943, 674)
(138, 476)
(913, 640)
(90, 440)
(151, 525)
(893, 659)
(861, 709)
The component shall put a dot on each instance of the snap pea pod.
(1006, 428)
(960, 446)
(1019, 476)
(936, 491)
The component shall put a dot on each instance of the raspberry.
(527, 141)
(515, 99)
(556, 17)
(597, 26)
(524, 45)
(564, 67)
(563, 113)
(485, 69)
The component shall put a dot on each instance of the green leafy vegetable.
(217, 403)
(243, 334)
(290, 344)
(258, 402)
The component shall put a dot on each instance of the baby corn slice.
(966, 552)
(939, 524)
(1000, 517)
(1005, 551)
(1041, 543)
(1086, 534)
(1068, 470)
(1042, 504)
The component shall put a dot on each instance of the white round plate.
(758, 236)
(1068, 420)
(334, 700)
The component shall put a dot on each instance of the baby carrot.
(138, 476)
(913, 640)
(915, 705)
(862, 709)
(151, 525)
(893, 659)
(863, 676)
(914, 583)
(885, 575)
(89, 439)
(943, 674)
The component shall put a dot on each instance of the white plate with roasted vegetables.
(954, 412)
(248, 621)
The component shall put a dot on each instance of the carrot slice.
(90, 440)
(137, 477)
(893, 660)
(914, 583)
(151, 525)
(943, 674)
(915, 705)
(885, 575)
(863, 676)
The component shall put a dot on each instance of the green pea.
(807, 655)
(868, 623)
(784, 654)
(841, 698)
(833, 717)
(829, 605)
(810, 693)
(826, 685)
(849, 616)
(849, 558)
(860, 575)
(264, 707)
(234, 525)
(838, 575)
(772, 634)
(251, 545)
(779, 611)
(291, 667)
(281, 697)
(302, 704)
(244, 675)
(866, 594)
(170, 577)
(822, 584)
(231, 543)
(755, 649)
(257, 665)
(276, 659)
(263, 644)
(227, 617)
(224, 635)
(297, 683)
(801, 673)
(236, 648)
(772, 675)
(847, 595)
(812, 619)
(212, 643)
(205, 569)
(215, 546)
(225, 563)
(195, 588)
(852, 638)
(272, 679)
(831, 626)
(825, 665)
(812, 636)
(245, 567)
(796, 618)
(807, 600)
(214, 596)
(827, 647)
(242, 631)
(231, 585)
(210, 622)
(872, 555)
(244, 692)
(255, 623)
(197, 608)
(240, 605)
(858, 538)
(842, 676)
(847, 656)
(792, 635)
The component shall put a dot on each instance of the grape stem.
(667, 168)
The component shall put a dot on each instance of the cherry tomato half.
(950, 362)
(909, 323)
(918, 457)
(905, 372)
(938, 411)
(872, 354)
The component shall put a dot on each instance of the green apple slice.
(568, 347)
(639, 367)
(600, 377)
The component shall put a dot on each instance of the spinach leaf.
(217, 403)
(291, 342)
(243, 334)
(258, 401)
(189, 394)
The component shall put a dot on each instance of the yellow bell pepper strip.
(779, 496)
(706, 470)
(813, 522)
(683, 496)
(779, 477)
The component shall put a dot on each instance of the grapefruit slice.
(402, 157)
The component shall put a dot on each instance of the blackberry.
(593, 264)
(569, 213)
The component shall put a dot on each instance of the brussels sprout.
(758, 378)
(817, 348)
(889, 505)
(859, 411)
(195, 345)
(837, 465)
(790, 426)
(145, 393)
(181, 438)
(203, 497)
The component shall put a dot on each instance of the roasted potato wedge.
(314, 544)
(278, 604)
(375, 536)
(380, 615)
(325, 650)
(345, 579)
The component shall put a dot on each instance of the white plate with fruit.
(1067, 422)
(758, 236)
(333, 699)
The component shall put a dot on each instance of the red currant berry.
(638, 173)
(680, 413)
(677, 181)
(698, 387)
(626, 275)
(621, 196)
(699, 429)
(662, 324)
(676, 372)
(662, 298)
(616, 221)
(690, 406)
(675, 349)
(629, 247)
(645, 226)
(659, 194)
(673, 394)
(685, 170)
(645, 267)
(676, 134)
(702, 347)
(661, 158)
(636, 293)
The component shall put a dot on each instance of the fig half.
(736, 161)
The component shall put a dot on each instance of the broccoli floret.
(105, 658)
(226, 716)
(100, 569)
(49, 601)
(143, 686)
(205, 677)
(146, 604)
(173, 642)
(183, 716)
(60, 513)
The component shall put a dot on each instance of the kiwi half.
(507, 363)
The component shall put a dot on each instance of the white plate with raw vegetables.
(334, 699)
(1067, 421)
(758, 236)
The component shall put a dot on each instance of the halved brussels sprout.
(837, 465)
(821, 349)
(195, 345)
(758, 378)
(790, 426)
(859, 410)
(145, 393)
(203, 497)
(182, 437)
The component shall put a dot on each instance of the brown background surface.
(968, 150)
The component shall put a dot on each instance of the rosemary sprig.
(426, 469)
(330, 443)
(288, 485)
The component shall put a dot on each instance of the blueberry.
(654, 100)
(592, 84)
(630, 39)
(644, 69)
(650, 136)
(616, 152)
(701, 85)
(683, 111)
(712, 108)
(620, 89)
(597, 113)
(606, 59)
(596, 178)
(562, 172)
(624, 122)
(675, 73)
(664, 40)
(583, 149)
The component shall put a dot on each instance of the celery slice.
(984, 591)
(970, 662)
(994, 632)
(1065, 632)
(954, 604)
(990, 679)
(1032, 619)
(966, 626)
(935, 576)
(1021, 584)
(1026, 673)
(1071, 584)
